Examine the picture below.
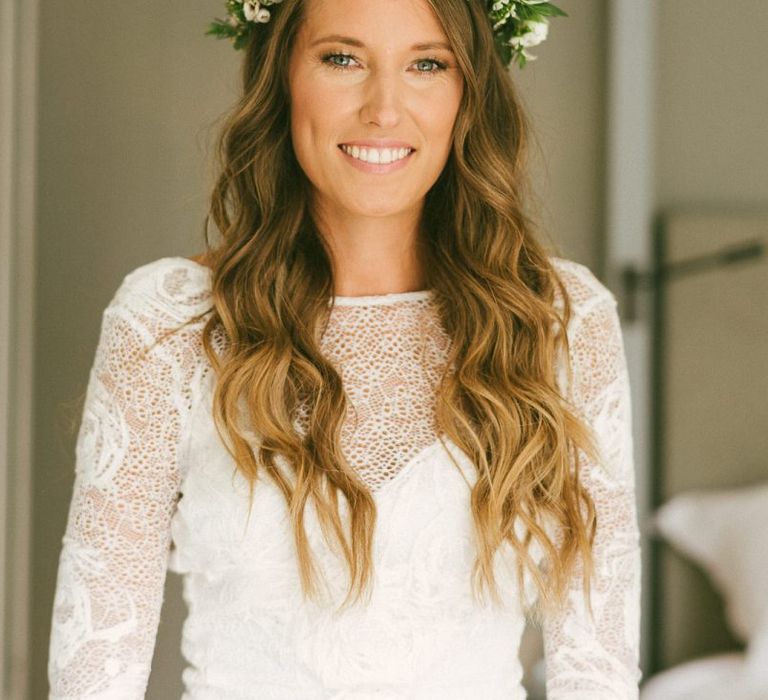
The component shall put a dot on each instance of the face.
(374, 90)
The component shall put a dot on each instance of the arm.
(597, 659)
(113, 561)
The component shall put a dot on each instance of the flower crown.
(517, 24)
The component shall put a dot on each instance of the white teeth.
(376, 155)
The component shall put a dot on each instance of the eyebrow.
(351, 41)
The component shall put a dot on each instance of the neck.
(373, 255)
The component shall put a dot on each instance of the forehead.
(394, 22)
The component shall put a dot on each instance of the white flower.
(251, 10)
(510, 14)
(536, 34)
(501, 4)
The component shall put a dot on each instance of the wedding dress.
(155, 489)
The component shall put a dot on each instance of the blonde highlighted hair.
(496, 289)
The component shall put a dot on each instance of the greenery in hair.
(517, 25)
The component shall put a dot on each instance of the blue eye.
(334, 60)
(439, 65)
(333, 64)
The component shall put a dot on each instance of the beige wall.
(564, 90)
(712, 103)
(127, 92)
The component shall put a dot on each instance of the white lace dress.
(155, 488)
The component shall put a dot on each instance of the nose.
(382, 95)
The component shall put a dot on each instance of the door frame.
(630, 207)
(18, 112)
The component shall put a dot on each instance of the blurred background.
(650, 164)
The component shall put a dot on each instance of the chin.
(379, 209)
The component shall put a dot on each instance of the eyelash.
(440, 66)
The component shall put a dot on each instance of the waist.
(197, 689)
(296, 655)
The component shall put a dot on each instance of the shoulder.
(151, 330)
(170, 290)
(595, 341)
(594, 310)
(594, 328)
(159, 310)
(584, 289)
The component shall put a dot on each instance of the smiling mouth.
(377, 156)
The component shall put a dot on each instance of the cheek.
(306, 120)
(312, 116)
(442, 114)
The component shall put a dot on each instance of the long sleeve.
(585, 658)
(113, 560)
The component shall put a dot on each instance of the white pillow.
(718, 677)
(726, 533)
(756, 663)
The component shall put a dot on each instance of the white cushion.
(719, 677)
(726, 533)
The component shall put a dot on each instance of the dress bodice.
(421, 635)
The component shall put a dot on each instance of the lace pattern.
(585, 658)
(146, 439)
(113, 560)
(390, 357)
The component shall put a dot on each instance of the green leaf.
(221, 28)
(241, 42)
(526, 13)
(547, 9)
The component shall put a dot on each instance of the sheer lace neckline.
(365, 300)
(377, 299)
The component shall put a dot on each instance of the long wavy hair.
(496, 290)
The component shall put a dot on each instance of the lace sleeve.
(585, 658)
(115, 548)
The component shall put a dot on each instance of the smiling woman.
(380, 423)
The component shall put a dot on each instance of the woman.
(378, 423)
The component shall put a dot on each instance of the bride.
(376, 425)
